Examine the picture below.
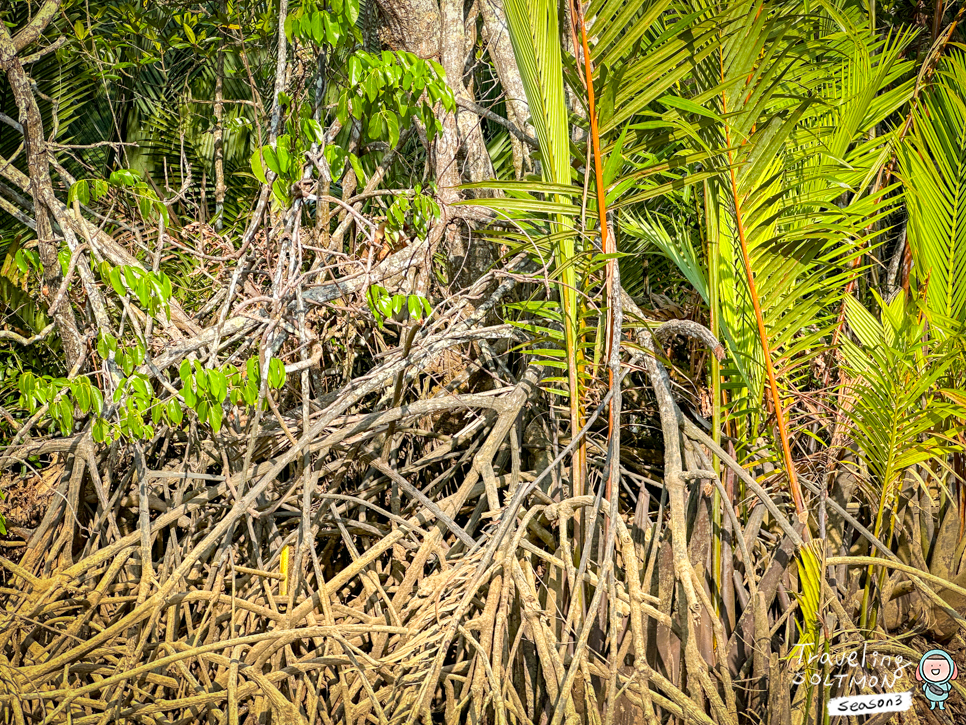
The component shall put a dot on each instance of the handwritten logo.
(853, 674)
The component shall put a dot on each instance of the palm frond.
(933, 165)
(535, 37)
(783, 115)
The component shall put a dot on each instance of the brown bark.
(39, 166)
(412, 25)
(33, 29)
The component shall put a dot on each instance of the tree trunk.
(39, 169)
(447, 141)
(412, 25)
(429, 30)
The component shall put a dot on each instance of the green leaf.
(305, 25)
(414, 307)
(271, 160)
(21, 261)
(932, 164)
(130, 276)
(166, 287)
(283, 150)
(217, 385)
(101, 430)
(115, 277)
(142, 291)
(27, 383)
(862, 323)
(291, 27)
(357, 168)
(106, 344)
(201, 380)
(184, 372)
(352, 11)
(392, 123)
(123, 177)
(215, 415)
(332, 30)
(257, 168)
(250, 392)
(99, 188)
(386, 305)
(611, 84)
(141, 389)
(615, 160)
(441, 73)
(280, 191)
(276, 373)
(97, 400)
(318, 28)
(79, 191)
(104, 269)
(372, 86)
(66, 416)
(313, 130)
(683, 104)
(81, 391)
(354, 70)
(342, 110)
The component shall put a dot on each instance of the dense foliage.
(516, 361)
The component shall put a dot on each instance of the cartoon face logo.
(936, 672)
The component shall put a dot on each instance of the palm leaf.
(933, 164)
(535, 37)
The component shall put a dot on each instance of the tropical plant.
(784, 112)
(934, 169)
(904, 426)
(304, 453)
(535, 34)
